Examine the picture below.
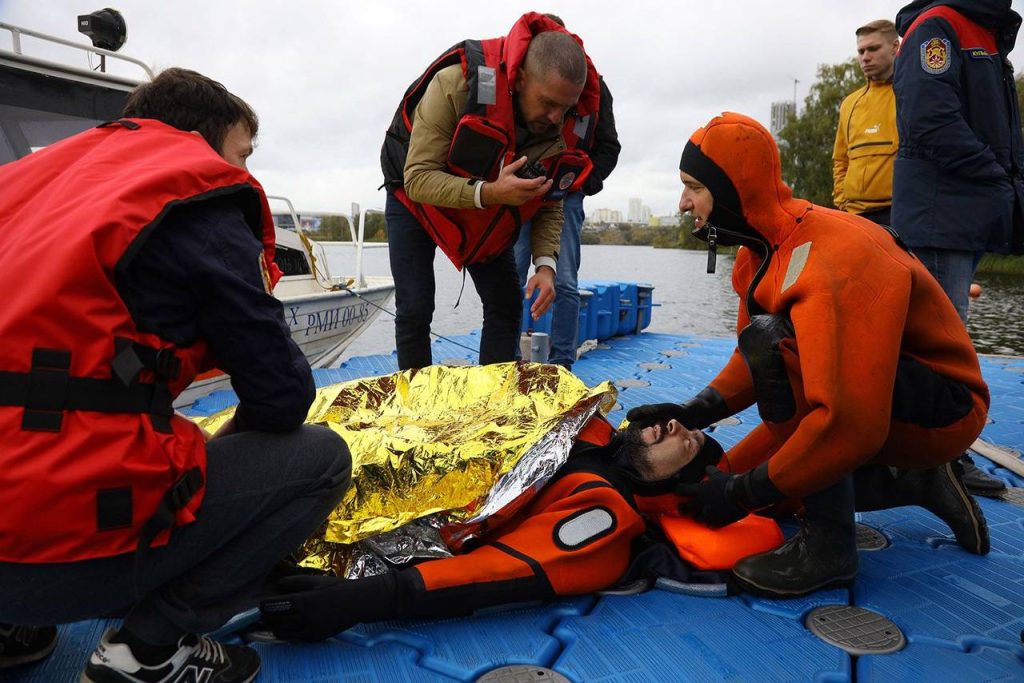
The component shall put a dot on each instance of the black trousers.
(265, 494)
(412, 265)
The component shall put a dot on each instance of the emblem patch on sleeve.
(935, 55)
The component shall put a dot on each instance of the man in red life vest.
(483, 141)
(139, 254)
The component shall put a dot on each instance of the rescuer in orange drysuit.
(865, 379)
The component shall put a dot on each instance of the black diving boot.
(823, 554)
(940, 490)
(978, 482)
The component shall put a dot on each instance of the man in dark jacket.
(603, 150)
(957, 183)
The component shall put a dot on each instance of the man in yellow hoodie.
(866, 138)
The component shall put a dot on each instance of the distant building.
(615, 216)
(670, 219)
(645, 214)
(781, 113)
(635, 208)
(600, 216)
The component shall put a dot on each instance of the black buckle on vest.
(184, 489)
(130, 358)
(176, 498)
(166, 364)
(47, 390)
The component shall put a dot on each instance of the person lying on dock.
(139, 254)
(864, 376)
(583, 532)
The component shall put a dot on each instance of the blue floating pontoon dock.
(961, 614)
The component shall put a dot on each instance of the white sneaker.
(197, 660)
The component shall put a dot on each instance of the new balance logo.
(193, 674)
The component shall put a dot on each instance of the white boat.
(325, 313)
(43, 101)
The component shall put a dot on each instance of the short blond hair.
(883, 26)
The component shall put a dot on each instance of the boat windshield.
(23, 131)
(38, 109)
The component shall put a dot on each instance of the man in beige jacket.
(478, 146)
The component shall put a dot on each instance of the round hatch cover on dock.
(632, 383)
(671, 353)
(855, 630)
(655, 366)
(870, 538)
(522, 673)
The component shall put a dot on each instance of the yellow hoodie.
(865, 148)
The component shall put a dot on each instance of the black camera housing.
(532, 170)
(105, 28)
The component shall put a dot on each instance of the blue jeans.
(411, 251)
(565, 314)
(954, 270)
(265, 494)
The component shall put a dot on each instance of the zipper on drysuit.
(712, 239)
(712, 248)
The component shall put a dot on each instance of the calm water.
(689, 300)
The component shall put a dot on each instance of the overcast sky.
(326, 76)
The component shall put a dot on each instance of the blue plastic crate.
(606, 305)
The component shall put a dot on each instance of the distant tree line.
(663, 236)
(335, 229)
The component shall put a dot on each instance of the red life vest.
(485, 140)
(89, 446)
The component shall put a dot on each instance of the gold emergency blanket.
(448, 440)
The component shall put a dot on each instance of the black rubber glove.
(317, 607)
(657, 413)
(713, 500)
(724, 498)
(699, 412)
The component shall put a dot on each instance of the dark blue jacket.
(198, 277)
(604, 146)
(957, 177)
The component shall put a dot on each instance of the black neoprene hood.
(727, 210)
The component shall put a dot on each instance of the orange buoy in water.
(975, 290)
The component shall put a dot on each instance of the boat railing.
(356, 223)
(18, 54)
(360, 244)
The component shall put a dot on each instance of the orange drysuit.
(577, 536)
(879, 367)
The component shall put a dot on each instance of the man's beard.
(633, 452)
